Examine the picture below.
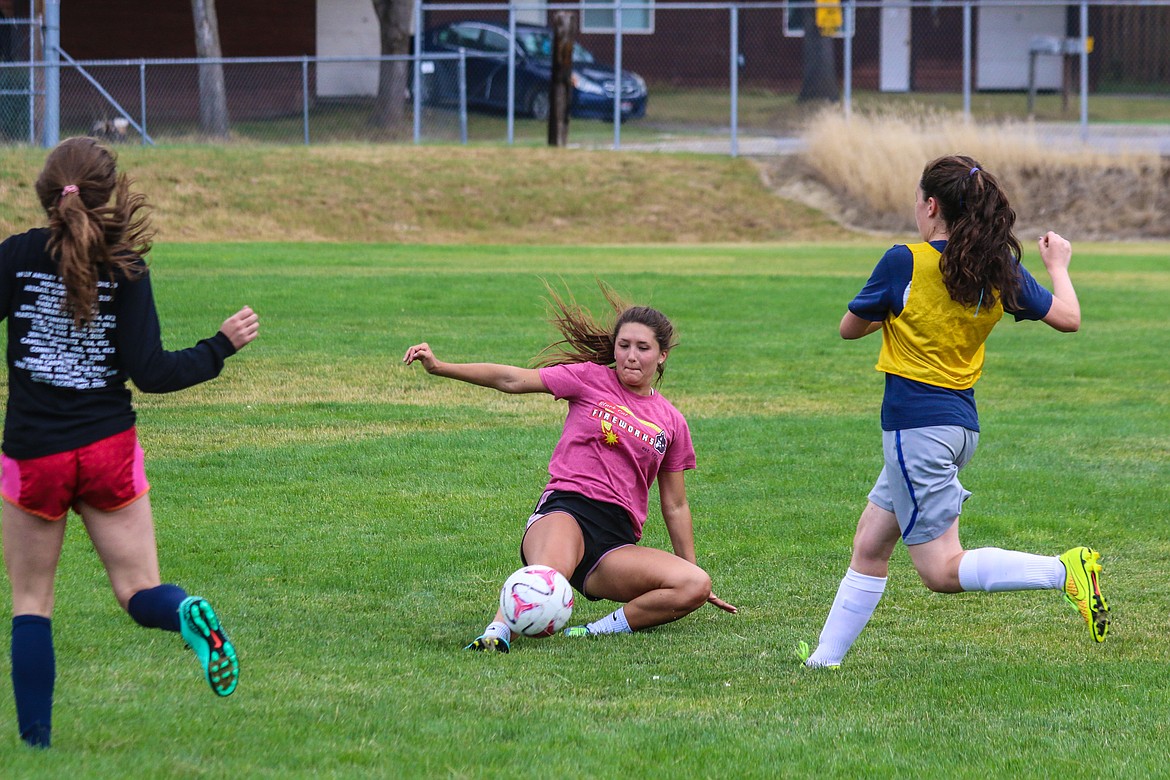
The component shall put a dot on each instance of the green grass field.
(352, 519)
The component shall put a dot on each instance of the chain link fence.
(718, 74)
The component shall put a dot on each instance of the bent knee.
(694, 590)
(127, 590)
(940, 582)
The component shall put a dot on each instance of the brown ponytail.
(88, 236)
(980, 264)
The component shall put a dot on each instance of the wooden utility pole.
(561, 88)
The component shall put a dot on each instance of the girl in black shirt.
(81, 322)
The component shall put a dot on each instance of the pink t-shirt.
(614, 442)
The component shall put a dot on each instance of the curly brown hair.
(980, 264)
(90, 237)
(587, 340)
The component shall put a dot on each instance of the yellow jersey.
(934, 339)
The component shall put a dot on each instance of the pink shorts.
(107, 475)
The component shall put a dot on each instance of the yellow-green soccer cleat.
(1082, 589)
(803, 653)
(203, 633)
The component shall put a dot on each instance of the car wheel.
(537, 104)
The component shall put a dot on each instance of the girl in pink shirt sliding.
(619, 435)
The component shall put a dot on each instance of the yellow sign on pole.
(829, 19)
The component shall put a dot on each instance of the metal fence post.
(1084, 72)
(142, 98)
(734, 24)
(305, 96)
(847, 53)
(52, 132)
(511, 72)
(967, 61)
(617, 75)
(463, 95)
(32, 81)
(416, 96)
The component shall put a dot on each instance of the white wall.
(535, 13)
(1003, 36)
(347, 27)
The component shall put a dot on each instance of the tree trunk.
(561, 88)
(819, 65)
(394, 18)
(213, 113)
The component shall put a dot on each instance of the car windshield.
(538, 43)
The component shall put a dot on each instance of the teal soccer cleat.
(204, 634)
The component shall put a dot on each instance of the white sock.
(498, 630)
(857, 597)
(992, 569)
(613, 623)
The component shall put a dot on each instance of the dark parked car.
(486, 48)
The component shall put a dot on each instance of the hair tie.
(974, 171)
(68, 189)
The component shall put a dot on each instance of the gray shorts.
(920, 480)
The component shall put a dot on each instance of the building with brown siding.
(677, 47)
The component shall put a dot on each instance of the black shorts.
(604, 526)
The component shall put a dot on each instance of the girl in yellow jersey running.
(935, 303)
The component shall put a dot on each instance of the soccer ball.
(536, 601)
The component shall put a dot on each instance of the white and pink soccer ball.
(536, 601)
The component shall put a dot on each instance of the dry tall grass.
(871, 163)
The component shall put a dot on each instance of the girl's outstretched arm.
(506, 379)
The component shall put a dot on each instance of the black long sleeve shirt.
(67, 386)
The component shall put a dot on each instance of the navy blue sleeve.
(140, 349)
(1033, 301)
(884, 291)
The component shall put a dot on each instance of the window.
(535, 43)
(637, 16)
(467, 37)
(495, 42)
(538, 45)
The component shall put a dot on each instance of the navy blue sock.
(34, 670)
(157, 607)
